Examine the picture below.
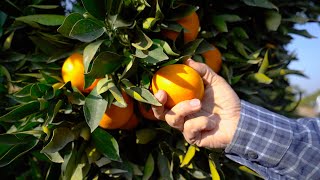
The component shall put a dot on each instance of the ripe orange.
(213, 59)
(73, 70)
(191, 26)
(180, 81)
(132, 123)
(115, 117)
(146, 113)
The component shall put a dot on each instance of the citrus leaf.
(260, 3)
(68, 23)
(60, 138)
(180, 12)
(106, 144)
(69, 164)
(21, 112)
(188, 156)
(16, 151)
(240, 47)
(3, 17)
(130, 68)
(246, 169)
(89, 52)
(143, 42)
(103, 85)
(96, 8)
(43, 19)
(265, 63)
(148, 168)
(219, 23)
(240, 33)
(164, 167)
(149, 22)
(105, 63)
(44, 6)
(302, 32)
(13, 139)
(94, 108)
(273, 20)
(144, 136)
(230, 17)
(153, 56)
(166, 47)
(117, 95)
(54, 157)
(86, 30)
(214, 173)
(142, 95)
(191, 47)
(262, 78)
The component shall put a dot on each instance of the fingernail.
(195, 102)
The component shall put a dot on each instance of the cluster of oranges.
(174, 79)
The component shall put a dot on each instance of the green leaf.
(273, 20)
(188, 156)
(86, 30)
(16, 151)
(230, 17)
(61, 137)
(191, 47)
(247, 170)
(164, 167)
(143, 42)
(68, 23)
(3, 18)
(89, 52)
(142, 95)
(153, 56)
(297, 19)
(166, 47)
(44, 6)
(302, 32)
(148, 168)
(240, 33)
(214, 173)
(260, 3)
(43, 19)
(14, 139)
(261, 78)
(21, 112)
(54, 157)
(69, 164)
(144, 136)
(106, 144)
(105, 63)
(94, 108)
(265, 63)
(96, 8)
(219, 23)
(180, 12)
(240, 47)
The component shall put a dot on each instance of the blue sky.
(308, 54)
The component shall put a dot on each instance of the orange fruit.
(146, 113)
(213, 59)
(191, 26)
(132, 123)
(180, 81)
(73, 70)
(116, 117)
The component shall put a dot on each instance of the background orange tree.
(49, 128)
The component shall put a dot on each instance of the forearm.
(275, 146)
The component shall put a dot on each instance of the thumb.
(207, 74)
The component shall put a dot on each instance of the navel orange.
(180, 82)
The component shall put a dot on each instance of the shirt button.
(252, 155)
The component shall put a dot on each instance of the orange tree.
(50, 128)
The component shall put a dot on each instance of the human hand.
(210, 123)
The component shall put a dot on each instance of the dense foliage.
(49, 128)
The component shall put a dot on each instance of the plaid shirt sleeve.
(274, 146)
